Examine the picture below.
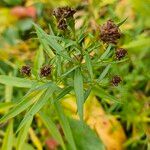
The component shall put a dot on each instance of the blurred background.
(18, 45)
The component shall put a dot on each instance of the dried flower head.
(120, 53)
(69, 12)
(63, 12)
(62, 25)
(45, 71)
(116, 80)
(109, 32)
(58, 13)
(26, 70)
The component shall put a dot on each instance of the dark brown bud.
(45, 71)
(58, 13)
(25, 70)
(116, 80)
(69, 12)
(62, 25)
(63, 12)
(120, 53)
(109, 32)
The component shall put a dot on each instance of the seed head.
(63, 12)
(45, 71)
(68, 12)
(26, 70)
(109, 32)
(62, 25)
(58, 12)
(120, 53)
(116, 80)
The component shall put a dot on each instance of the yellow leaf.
(35, 139)
(106, 126)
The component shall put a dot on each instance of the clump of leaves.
(77, 67)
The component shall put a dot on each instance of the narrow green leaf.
(53, 130)
(37, 106)
(58, 66)
(87, 93)
(122, 22)
(51, 30)
(104, 73)
(79, 92)
(103, 56)
(41, 86)
(8, 138)
(39, 60)
(64, 92)
(52, 42)
(8, 91)
(15, 81)
(68, 72)
(25, 102)
(103, 94)
(45, 45)
(23, 135)
(65, 125)
(89, 65)
(5, 106)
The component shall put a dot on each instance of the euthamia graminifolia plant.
(73, 62)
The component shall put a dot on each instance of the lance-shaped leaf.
(65, 126)
(24, 103)
(15, 81)
(79, 92)
(53, 130)
(23, 135)
(38, 105)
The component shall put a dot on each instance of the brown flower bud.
(69, 12)
(63, 12)
(109, 32)
(116, 80)
(58, 12)
(45, 71)
(120, 53)
(26, 70)
(62, 25)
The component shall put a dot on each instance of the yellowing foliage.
(106, 126)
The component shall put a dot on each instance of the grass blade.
(52, 129)
(79, 92)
